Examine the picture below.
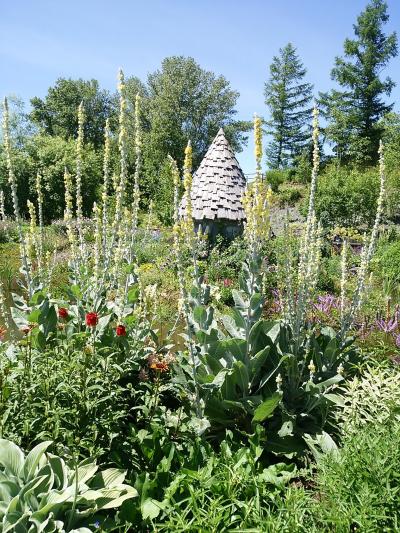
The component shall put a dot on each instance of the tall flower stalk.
(180, 233)
(79, 158)
(2, 206)
(68, 217)
(106, 181)
(368, 251)
(256, 202)
(298, 299)
(13, 185)
(33, 242)
(138, 153)
(97, 244)
(343, 280)
(3, 307)
(114, 246)
(39, 193)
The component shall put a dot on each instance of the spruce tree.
(354, 113)
(288, 98)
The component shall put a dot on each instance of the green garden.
(157, 377)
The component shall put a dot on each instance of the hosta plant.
(39, 492)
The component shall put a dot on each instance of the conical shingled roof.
(218, 184)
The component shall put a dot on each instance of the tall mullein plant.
(136, 180)
(138, 163)
(13, 185)
(106, 184)
(79, 200)
(68, 218)
(300, 282)
(114, 251)
(256, 204)
(348, 314)
(3, 216)
(181, 236)
(39, 193)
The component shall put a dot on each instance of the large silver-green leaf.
(86, 470)
(33, 458)
(60, 471)
(11, 457)
(108, 478)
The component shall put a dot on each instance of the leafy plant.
(41, 493)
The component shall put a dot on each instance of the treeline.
(353, 112)
(182, 101)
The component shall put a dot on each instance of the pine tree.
(353, 113)
(288, 98)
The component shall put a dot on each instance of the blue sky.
(42, 40)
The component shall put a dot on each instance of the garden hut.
(218, 187)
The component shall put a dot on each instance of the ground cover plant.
(231, 415)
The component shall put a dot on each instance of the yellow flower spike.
(31, 244)
(187, 182)
(258, 143)
(257, 199)
(68, 214)
(79, 155)
(138, 144)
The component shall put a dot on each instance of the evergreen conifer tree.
(288, 98)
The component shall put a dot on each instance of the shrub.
(371, 398)
(386, 263)
(8, 231)
(289, 195)
(276, 177)
(225, 259)
(347, 197)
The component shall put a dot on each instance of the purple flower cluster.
(389, 325)
(326, 303)
(276, 306)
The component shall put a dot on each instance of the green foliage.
(371, 398)
(40, 492)
(81, 398)
(251, 370)
(8, 231)
(57, 114)
(347, 197)
(288, 96)
(276, 177)
(354, 113)
(290, 194)
(369, 463)
(386, 263)
(225, 260)
(214, 494)
(49, 156)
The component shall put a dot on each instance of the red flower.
(227, 282)
(120, 330)
(62, 312)
(92, 319)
